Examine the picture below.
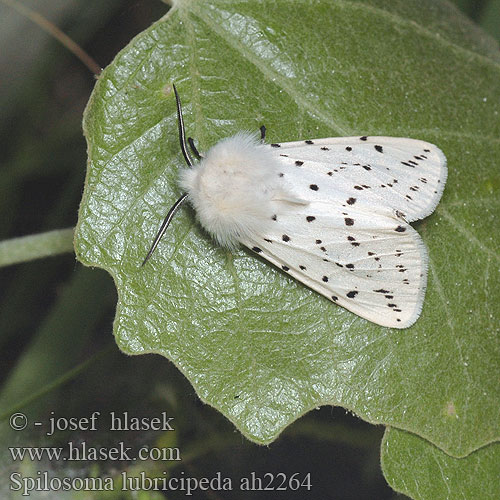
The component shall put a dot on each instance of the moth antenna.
(193, 149)
(182, 199)
(262, 133)
(182, 133)
(164, 226)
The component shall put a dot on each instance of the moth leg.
(197, 155)
(262, 133)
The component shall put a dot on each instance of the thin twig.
(65, 377)
(55, 32)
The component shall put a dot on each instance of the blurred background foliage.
(58, 353)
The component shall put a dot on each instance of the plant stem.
(36, 246)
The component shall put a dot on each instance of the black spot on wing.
(314, 187)
(275, 145)
(379, 148)
(348, 221)
(400, 229)
(352, 294)
(309, 142)
(257, 249)
(351, 201)
(285, 238)
(310, 218)
(299, 163)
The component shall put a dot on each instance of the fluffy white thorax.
(235, 188)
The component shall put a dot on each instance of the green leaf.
(418, 469)
(256, 344)
(489, 18)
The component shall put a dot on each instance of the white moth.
(333, 213)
